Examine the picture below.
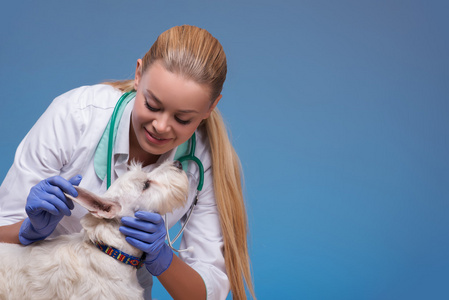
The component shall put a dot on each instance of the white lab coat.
(63, 142)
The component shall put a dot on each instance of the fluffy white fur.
(70, 266)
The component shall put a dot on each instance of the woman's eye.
(150, 107)
(183, 122)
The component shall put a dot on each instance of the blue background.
(338, 109)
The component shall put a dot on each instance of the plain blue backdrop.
(338, 109)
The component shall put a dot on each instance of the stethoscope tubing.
(190, 156)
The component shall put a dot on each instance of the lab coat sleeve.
(43, 153)
(203, 233)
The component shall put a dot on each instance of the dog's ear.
(96, 205)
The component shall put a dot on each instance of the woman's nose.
(161, 124)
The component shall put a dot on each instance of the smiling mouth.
(155, 139)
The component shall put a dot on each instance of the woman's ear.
(212, 107)
(96, 205)
(138, 74)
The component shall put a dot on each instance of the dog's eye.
(177, 164)
(146, 185)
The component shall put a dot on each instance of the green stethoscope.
(182, 155)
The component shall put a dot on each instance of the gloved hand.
(147, 232)
(46, 206)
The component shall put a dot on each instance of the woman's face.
(167, 110)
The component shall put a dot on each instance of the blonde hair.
(194, 53)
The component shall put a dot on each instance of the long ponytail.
(231, 207)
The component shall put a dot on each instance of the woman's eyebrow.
(186, 111)
(154, 97)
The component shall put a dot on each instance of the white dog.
(72, 266)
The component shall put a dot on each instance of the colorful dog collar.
(120, 256)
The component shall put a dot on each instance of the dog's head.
(161, 190)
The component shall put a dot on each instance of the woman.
(177, 86)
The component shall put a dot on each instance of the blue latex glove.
(46, 206)
(147, 232)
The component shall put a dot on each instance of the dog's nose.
(177, 164)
